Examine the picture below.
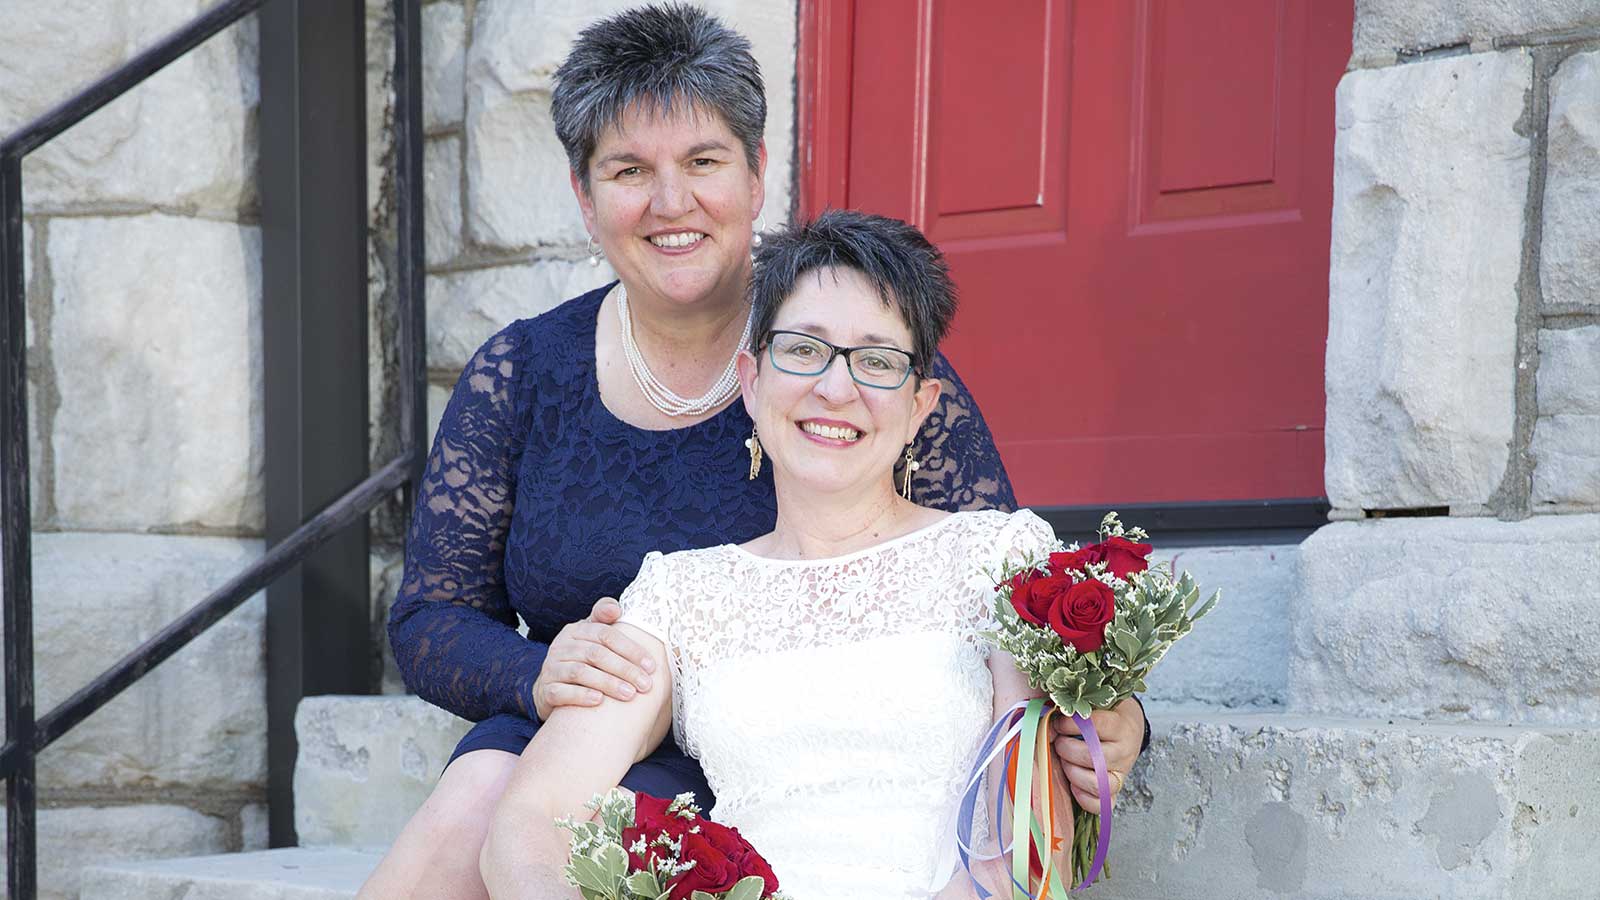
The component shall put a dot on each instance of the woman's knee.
(465, 797)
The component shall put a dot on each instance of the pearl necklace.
(662, 397)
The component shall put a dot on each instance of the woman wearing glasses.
(828, 674)
(608, 427)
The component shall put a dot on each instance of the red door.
(1134, 198)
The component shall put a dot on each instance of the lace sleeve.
(645, 602)
(1023, 536)
(961, 469)
(451, 626)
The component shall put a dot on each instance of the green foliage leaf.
(591, 875)
(748, 888)
(702, 895)
(644, 884)
(614, 860)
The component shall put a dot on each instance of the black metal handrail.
(26, 733)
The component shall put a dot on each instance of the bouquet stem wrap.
(1023, 734)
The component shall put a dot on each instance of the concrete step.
(296, 873)
(1267, 806)
(1251, 806)
(365, 765)
(1469, 619)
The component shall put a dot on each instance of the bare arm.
(580, 751)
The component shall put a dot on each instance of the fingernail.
(627, 691)
(649, 664)
(644, 684)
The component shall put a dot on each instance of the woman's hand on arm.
(578, 752)
(1121, 733)
(592, 659)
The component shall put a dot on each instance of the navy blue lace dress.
(537, 501)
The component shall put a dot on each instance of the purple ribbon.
(969, 801)
(1103, 781)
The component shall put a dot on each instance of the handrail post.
(16, 539)
(314, 320)
(411, 257)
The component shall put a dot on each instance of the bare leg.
(436, 856)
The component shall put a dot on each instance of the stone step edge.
(1165, 720)
(1163, 717)
(312, 873)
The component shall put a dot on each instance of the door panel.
(1134, 198)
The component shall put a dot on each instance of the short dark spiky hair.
(656, 56)
(908, 271)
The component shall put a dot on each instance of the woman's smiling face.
(827, 432)
(671, 200)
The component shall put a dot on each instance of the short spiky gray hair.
(656, 56)
(908, 271)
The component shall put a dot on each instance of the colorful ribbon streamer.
(1033, 821)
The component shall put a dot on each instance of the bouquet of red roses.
(1086, 625)
(641, 847)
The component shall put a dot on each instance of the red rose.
(650, 819)
(1124, 557)
(1081, 615)
(744, 857)
(1071, 561)
(1021, 585)
(1034, 597)
(713, 871)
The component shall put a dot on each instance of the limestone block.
(1566, 453)
(1238, 656)
(365, 766)
(379, 32)
(465, 308)
(441, 172)
(387, 568)
(1269, 807)
(38, 484)
(51, 49)
(199, 719)
(1569, 256)
(1385, 26)
(253, 827)
(291, 873)
(75, 837)
(444, 59)
(438, 399)
(184, 138)
(518, 192)
(1569, 371)
(1472, 619)
(31, 289)
(156, 342)
(1430, 179)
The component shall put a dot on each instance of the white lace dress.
(837, 705)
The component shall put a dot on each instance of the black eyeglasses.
(799, 353)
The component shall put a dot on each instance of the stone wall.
(1463, 372)
(144, 368)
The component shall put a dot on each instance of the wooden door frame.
(822, 150)
(822, 109)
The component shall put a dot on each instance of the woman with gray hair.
(579, 440)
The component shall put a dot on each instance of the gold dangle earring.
(754, 443)
(911, 466)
